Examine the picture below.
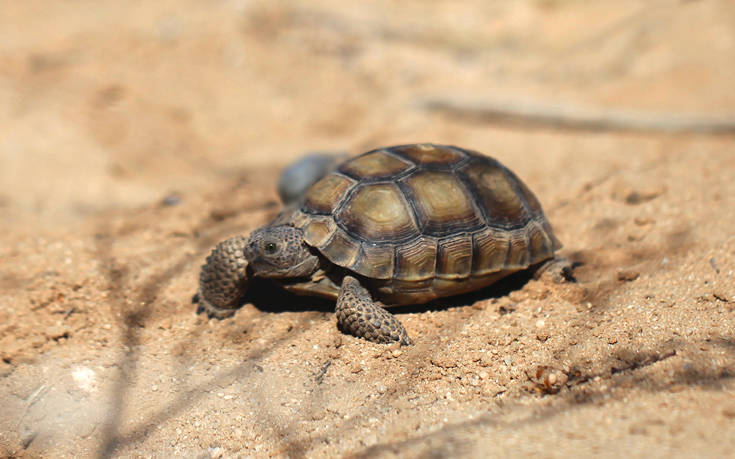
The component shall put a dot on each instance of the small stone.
(172, 199)
(541, 323)
(381, 389)
(542, 337)
(636, 197)
(508, 360)
(483, 374)
(641, 221)
(628, 275)
(85, 378)
(5, 369)
(721, 296)
(443, 362)
(396, 353)
(612, 340)
(517, 296)
(56, 332)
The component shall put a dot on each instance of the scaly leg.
(558, 270)
(223, 280)
(359, 315)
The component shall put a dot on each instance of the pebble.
(508, 360)
(57, 331)
(172, 199)
(483, 375)
(84, 378)
(396, 353)
(381, 389)
(541, 323)
(443, 362)
(722, 296)
(635, 197)
(628, 275)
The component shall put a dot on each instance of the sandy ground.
(135, 135)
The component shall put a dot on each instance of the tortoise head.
(280, 252)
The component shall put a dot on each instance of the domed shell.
(418, 212)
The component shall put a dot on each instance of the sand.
(136, 135)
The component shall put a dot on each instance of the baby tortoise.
(393, 226)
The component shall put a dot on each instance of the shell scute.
(326, 194)
(318, 231)
(416, 260)
(442, 203)
(375, 165)
(454, 258)
(378, 212)
(375, 261)
(518, 256)
(496, 194)
(429, 154)
(341, 249)
(490, 248)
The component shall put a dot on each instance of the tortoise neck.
(321, 283)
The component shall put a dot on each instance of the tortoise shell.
(417, 213)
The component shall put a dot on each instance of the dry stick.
(563, 116)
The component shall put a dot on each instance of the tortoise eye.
(270, 248)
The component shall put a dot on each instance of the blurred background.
(108, 104)
(135, 135)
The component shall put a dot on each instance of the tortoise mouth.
(304, 268)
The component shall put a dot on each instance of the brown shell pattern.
(418, 212)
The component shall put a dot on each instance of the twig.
(563, 116)
(322, 371)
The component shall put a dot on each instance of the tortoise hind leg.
(558, 270)
(359, 315)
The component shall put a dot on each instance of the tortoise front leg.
(223, 279)
(359, 315)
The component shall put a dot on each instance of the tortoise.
(400, 225)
